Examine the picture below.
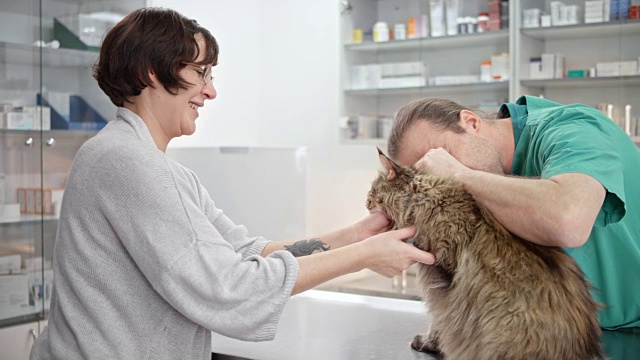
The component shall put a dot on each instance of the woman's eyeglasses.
(204, 73)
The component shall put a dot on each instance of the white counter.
(328, 325)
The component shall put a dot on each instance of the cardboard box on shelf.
(39, 201)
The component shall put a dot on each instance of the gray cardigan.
(145, 264)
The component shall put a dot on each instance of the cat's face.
(442, 211)
(391, 191)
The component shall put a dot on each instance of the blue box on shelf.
(81, 115)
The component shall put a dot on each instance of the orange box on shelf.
(39, 200)
(412, 31)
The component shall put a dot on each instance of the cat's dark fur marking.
(490, 294)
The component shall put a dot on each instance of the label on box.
(10, 264)
(577, 73)
(19, 121)
(14, 291)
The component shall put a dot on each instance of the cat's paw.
(424, 343)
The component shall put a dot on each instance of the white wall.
(278, 85)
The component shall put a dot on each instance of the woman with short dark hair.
(145, 264)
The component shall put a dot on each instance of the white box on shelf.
(500, 67)
(531, 18)
(18, 120)
(365, 77)
(454, 80)
(548, 66)
(403, 74)
(628, 68)
(438, 23)
(362, 127)
(14, 292)
(37, 263)
(452, 8)
(556, 13)
(10, 264)
(545, 20)
(367, 127)
(11, 212)
(570, 14)
(593, 11)
(385, 124)
(559, 67)
(606, 12)
(56, 201)
(422, 28)
(617, 68)
(35, 112)
(402, 82)
(535, 69)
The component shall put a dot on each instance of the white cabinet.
(16, 341)
(378, 78)
(452, 63)
(584, 46)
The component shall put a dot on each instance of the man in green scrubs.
(555, 175)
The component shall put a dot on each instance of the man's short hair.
(444, 114)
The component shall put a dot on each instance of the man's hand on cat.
(389, 254)
(440, 162)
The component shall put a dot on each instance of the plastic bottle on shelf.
(356, 36)
(381, 32)
(483, 22)
(472, 24)
(399, 32)
(461, 25)
(485, 71)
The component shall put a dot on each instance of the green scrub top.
(553, 139)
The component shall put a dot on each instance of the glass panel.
(51, 104)
(78, 108)
(20, 161)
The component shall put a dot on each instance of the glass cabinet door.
(50, 105)
(20, 162)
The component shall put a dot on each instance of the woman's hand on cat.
(390, 254)
(374, 224)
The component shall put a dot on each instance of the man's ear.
(470, 121)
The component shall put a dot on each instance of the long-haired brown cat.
(490, 294)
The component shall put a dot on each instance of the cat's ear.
(392, 169)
